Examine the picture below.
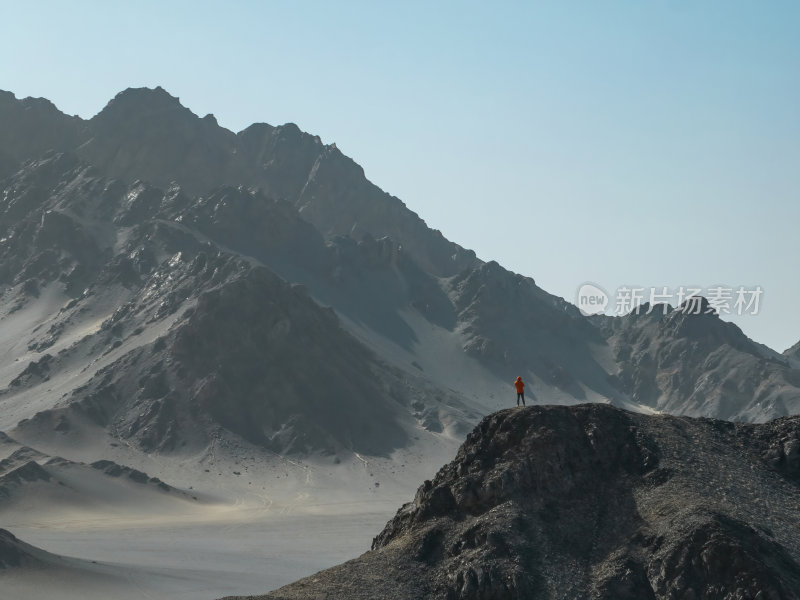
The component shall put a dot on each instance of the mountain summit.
(591, 502)
(147, 134)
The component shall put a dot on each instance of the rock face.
(146, 134)
(11, 550)
(31, 127)
(16, 553)
(233, 345)
(592, 502)
(688, 361)
(260, 359)
(793, 354)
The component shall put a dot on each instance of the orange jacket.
(519, 385)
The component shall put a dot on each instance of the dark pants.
(521, 396)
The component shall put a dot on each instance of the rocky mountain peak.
(500, 461)
(142, 99)
(147, 134)
(794, 352)
(697, 305)
(9, 99)
(591, 502)
(696, 319)
(31, 126)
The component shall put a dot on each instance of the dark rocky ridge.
(592, 502)
(16, 553)
(32, 126)
(793, 353)
(689, 361)
(147, 134)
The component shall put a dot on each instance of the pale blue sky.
(650, 143)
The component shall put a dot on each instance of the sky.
(628, 144)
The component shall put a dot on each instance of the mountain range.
(174, 295)
(108, 203)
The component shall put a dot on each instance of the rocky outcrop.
(109, 467)
(591, 502)
(689, 361)
(16, 553)
(793, 354)
(32, 126)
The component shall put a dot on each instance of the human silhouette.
(520, 385)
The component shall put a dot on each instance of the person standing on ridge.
(520, 385)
